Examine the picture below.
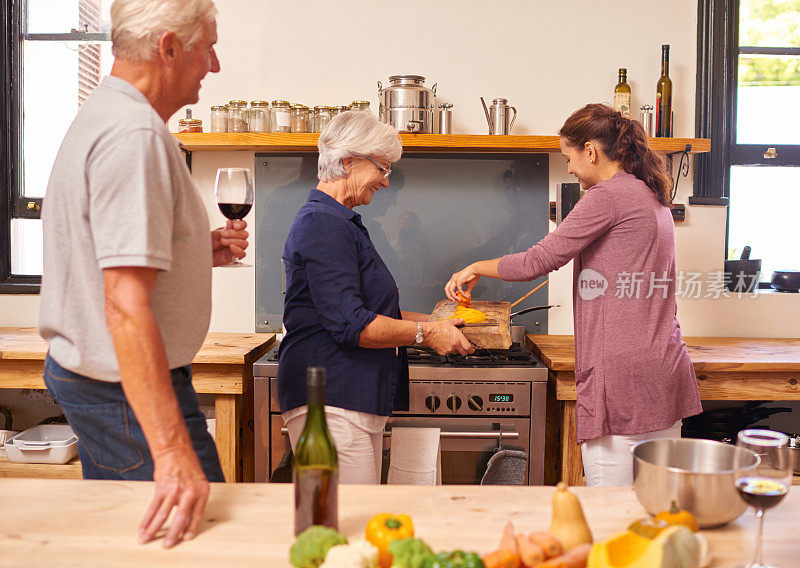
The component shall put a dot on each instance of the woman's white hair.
(137, 25)
(355, 134)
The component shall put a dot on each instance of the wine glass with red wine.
(233, 190)
(766, 484)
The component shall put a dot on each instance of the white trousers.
(608, 460)
(357, 436)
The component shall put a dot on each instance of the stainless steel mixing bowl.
(697, 474)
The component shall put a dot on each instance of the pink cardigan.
(632, 369)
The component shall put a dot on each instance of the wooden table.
(223, 367)
(727, 368)
(94, 523)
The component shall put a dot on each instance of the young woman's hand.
(461, 281)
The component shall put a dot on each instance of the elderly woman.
(342, 307)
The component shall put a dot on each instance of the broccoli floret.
(409, 552)
(311, 546)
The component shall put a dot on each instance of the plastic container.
(48, 443)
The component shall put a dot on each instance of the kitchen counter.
(727, 368)
(223, 367)
(94, 523)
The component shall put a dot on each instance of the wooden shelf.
(71, 470)
(411, 143)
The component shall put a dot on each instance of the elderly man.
(126, 291)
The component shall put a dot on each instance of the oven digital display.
(501, 398)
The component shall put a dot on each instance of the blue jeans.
(111, 443)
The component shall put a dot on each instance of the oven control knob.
(432, 402)
(453, 402)
(475, 402)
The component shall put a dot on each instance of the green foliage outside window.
(769, 23)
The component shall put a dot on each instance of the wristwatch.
(418, 339)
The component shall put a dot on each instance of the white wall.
(547, 58)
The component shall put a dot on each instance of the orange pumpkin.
(676, 516)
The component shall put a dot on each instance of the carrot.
(550, 544)
(530, 553)
(507, 541)
(502, 558)
(575, 558)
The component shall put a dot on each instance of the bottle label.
(282, 118)
(622, 104)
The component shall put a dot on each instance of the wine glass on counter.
(233, 190)
(766, 484)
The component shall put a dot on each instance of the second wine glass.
(766, 484)
(233, 190)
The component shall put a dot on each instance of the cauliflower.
(357, 554)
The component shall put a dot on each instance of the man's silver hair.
(137, 25)
(355, 134)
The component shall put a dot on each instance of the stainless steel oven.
(494, 400)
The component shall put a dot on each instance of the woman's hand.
(444, 337)
(461, 281)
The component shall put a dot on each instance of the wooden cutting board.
(496, 336)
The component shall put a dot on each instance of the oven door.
(468, 443)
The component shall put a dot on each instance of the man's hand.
(229, 242)
(180, 484)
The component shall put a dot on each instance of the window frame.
(13, 205)
(718, 52)
(11, 202)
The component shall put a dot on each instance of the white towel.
(416, 457)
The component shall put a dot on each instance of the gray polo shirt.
(120, 195)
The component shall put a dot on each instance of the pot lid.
(416, 79)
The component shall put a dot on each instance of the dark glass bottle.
(664, 97)
(622, 94)
(315, 468)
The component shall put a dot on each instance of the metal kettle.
(498, 115)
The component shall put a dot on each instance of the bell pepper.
(455, 559)
(383, 529)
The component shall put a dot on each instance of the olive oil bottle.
(315, 469)
(664, 97)
(622, 94)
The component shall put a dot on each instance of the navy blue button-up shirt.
(336, 284)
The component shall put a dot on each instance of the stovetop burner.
(515, 355)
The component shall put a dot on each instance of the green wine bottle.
(664, 97)
(315, 468)
(622, 94)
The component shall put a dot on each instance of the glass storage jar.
(339, 109)
(279, 119)
(237, 116)
(322, 116)
(360, 105)
(259, 116)
(190, 125)
(219, 119)
(299, 119)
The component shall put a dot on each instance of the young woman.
(634, 378)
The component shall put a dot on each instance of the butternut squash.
(674, 547)
(569, 523)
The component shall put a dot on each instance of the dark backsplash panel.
(439, 214)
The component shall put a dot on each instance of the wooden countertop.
(709, 354)
(24, 344)
(94, 523)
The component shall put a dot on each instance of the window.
(748, 88)
(55, 53)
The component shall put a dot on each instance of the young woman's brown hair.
(622, 140)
